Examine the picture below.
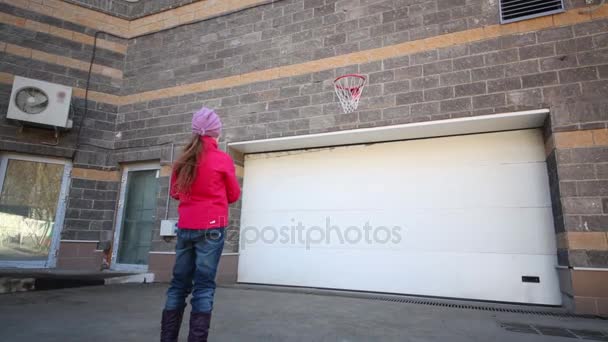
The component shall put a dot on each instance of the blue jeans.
(197, 255)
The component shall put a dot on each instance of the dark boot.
(170, 324)
(199, 326)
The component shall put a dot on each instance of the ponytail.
(187, 164)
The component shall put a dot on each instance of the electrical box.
(168, 228)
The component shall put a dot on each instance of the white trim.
(598, 269)
(51, 260)
(120, 211)
(80, 241)
(27, 157)
(60, 214)
(129, 267)
(417, 130)
(170, 253)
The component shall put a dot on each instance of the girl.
(204, 183)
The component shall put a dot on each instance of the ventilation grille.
(516, 10)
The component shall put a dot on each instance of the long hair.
(187, 164)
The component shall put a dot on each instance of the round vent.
(31, 100)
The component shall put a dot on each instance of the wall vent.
(516, 10)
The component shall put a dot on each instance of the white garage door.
(464, 217)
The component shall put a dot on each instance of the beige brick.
(36, 26)
(585, 306)
(18, 50)
(600, 137)
(587, 240)
(569, 18)
(587, 283)
(92, 174)
(6, 78)
(600, 13)
(165, 170)
(535, 24)
(573, 139)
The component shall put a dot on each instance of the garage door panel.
(496, 230)
(474, 214)
(498, 185)
(494, 277)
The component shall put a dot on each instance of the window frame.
(51, 260)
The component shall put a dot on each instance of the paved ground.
(132, 312)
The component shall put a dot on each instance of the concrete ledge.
(417, 130)
(161, 264)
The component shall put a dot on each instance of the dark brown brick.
(437, 68)
(501, 57)
(521, 68)
(477, 88)
(597, 89)
(573, 45)
(397, 87)
(468, 62)
(396, 62)
(504, 84)
(425, 57)
(539, 80)
(488, 73)
(428, 108)
(396, 112)
(518, 40)
(489, 101)
(593, 57)
(425, 82)
(455, 105)
(536, 51)
(578, 75)
(409, 98)
(528, 97)
(561, 92)
(382, 77)
(554, 34)
(453, 78)
(439, 94)
(408, 72)
(558, 62)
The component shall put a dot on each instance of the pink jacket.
(214, 187)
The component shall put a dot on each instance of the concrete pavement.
(131, 312)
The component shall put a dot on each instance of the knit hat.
(206, 122)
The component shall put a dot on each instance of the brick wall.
(269, 69)
(131, 10)
(58, 51)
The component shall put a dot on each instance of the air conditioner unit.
(39, 102)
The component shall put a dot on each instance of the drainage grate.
(497, 308)
(446, 303)
(584, 334)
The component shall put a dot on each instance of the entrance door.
(136, 217)
(32, 207)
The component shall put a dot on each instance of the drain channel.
(447, 303)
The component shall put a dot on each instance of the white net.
(349, 89)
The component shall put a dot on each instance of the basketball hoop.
(349, 89)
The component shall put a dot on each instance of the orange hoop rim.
(363, 78)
